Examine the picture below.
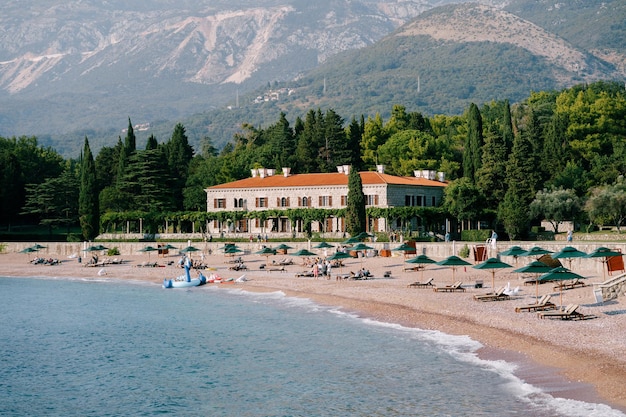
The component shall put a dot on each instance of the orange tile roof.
(325, 179)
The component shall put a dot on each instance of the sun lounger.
(387, 274)
(569, 313)
(570, 285)
(417, 284)
(304, 274)
(499, 295)
(543, 304)
(281, 269)
(457, 286)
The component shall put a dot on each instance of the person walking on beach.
(316, 270)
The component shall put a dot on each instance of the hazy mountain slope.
(89, 64)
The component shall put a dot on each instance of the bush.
(113, 251)
(464, 252)
(475, 235)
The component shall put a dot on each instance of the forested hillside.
(559, 155)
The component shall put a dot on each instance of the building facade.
(267, 190)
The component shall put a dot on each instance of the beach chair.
(457, 286)
(387, 274)
(569, 313)
(570, 285)
(542, 304)
(417, 284)
(499, 295)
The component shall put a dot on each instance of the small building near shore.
(272, 193)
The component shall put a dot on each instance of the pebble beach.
(580, 359)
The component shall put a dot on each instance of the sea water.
(79, 348)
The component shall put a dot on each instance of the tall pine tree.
(88, 206)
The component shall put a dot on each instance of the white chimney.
(432, 175)
(271, 172)
(262, 172)
(346, 169)
(254, 172)
(286, 171)
(380, 169)
(442, 176)
(417, 173)
(340, 169)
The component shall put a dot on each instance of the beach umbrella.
(454, 262)
(536, 251)
(364, 235)
(492, 264)
(323, 245)
(361, 247)
(535, 267)
(351, 240)
(304, 253)
(338, 256)
(283, 247)
(560, 274)
(168, 247)
(421, 260)
(605, 253)
(38, 246)
(267, 252)
(514, 251)
(231, 250)
(91, 249)
(189, 249)
(29, 250)
(569, 253)
(100, 247)
(148, 249)
(404, 248)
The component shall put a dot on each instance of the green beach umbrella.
(323, 245)
(28, 250)
(282, 247)
(404, 248)
(560, 274)
(514, 251)
(454, 262)
(267, 252)
(148, 249)
(304, 252)
(338, 256)
(605, 253)
(38, 246)
(363, 235)
(421, 260)
(189, 249)
(535, 267)
(536, 251)
(351, 240)
(569, 253)
(492, 264)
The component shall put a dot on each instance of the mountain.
(81, 65)
(70, 70)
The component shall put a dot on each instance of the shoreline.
(578, 360)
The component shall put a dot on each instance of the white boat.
(184, 281)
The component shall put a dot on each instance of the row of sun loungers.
(570, 285)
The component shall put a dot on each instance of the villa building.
(266, 190)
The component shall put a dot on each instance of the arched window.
(241, 204)
(283, 202)
(305, 202)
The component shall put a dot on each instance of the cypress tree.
(88, 205)
(130, 142)
(355, 207)
(472, 154)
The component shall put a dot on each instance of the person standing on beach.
(316, 270)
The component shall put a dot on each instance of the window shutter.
(215, 203)
(376, 199)
(256, 202)
(320, 201)
(288, 205)
(299, 201)
(277, 201)
(330, 200)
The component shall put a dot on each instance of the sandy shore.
(573, 359)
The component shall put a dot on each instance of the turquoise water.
(77, 348)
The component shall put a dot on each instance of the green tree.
(555, 206)
(355, 206)
(179, 154)
(463, 199)
(88, 204)
(55, 201)
(472, 152)
(374, 135)
(130, 142)
(607, 204)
